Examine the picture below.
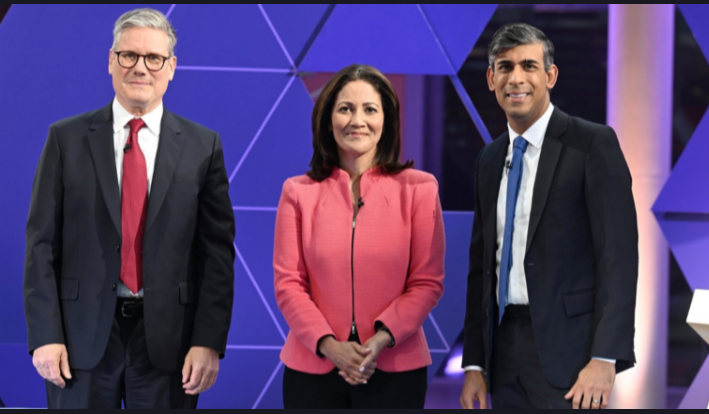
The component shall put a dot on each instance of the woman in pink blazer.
(358, 257)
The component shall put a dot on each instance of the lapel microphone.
(360, 203)
(126, 148)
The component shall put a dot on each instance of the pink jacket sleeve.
(424, 284)
(291, 282)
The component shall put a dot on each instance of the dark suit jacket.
(73, 257)
(581, 262)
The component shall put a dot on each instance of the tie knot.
(135, 125)
(520, 143)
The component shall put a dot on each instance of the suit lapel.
(103, 152)
(165, 162)
(548, 160)
(492, 184)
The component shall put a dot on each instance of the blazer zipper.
(354, 327)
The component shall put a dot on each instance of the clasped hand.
(356, 363)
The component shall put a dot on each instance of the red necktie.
(134, 208)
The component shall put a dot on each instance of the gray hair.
(515, 34)
(150, 18)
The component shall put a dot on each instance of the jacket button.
(118, 247)
(487, 312)
(113, 287)
(530, 264)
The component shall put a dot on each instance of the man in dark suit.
(129, 266)
(553, 256)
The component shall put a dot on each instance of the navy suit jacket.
(581, 261)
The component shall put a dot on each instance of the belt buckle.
(123, 310)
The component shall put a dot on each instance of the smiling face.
(138, 89)
(521, 84)
(357, 120)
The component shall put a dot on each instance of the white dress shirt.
(517, 288)
(148, 139)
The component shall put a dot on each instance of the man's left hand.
(594, 385)
(200, 370)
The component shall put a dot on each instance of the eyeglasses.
(152, 61)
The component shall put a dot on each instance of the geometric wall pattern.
(238, 68)
(682, 208)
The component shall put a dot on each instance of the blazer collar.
(169, 149)
(100, 140)
(552, 149)
(103, 152)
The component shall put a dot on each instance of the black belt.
(129, 307)
(518, 312)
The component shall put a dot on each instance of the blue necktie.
(514, 179)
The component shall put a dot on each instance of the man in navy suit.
(129, 265)
(554, 252)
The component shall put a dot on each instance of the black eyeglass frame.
(145, 62)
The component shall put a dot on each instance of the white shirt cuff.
(473, 368)
(612, 361)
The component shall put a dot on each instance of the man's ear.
(491, 79)
(552, 76)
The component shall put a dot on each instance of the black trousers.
(518, 381)
(124, 375)
(383, 390)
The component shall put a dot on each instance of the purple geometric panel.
(688, 235)
(458, 27)
(265, 325)
(234, 104)
(285, 141)
(242, 37)
(682, 209)
(395, 38)
(685, 189)
(697, 16)
(244, 379)
(697, 396)
(297, 25)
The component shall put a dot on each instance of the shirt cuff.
(473, 368)
(611, 361)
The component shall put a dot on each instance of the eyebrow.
(522, 62)
(350, 103)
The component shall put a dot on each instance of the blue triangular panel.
(683, 191)
(458, 26)
(688, 236)
(395, 38)
(243, 375)
(283, 150)
(254, 239)
(697, 16)
(233, 104)
(241, 37)
(450, 312)
(296, 24)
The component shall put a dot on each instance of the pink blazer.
(396, 253)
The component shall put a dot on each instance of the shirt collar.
(535, 134)
(121, 117)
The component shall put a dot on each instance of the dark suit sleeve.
(473, 347)
(44, 250)
(611, 210)
(215, 250)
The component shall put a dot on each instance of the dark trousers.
(518, 381)
(383, 390)
(124, 375)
